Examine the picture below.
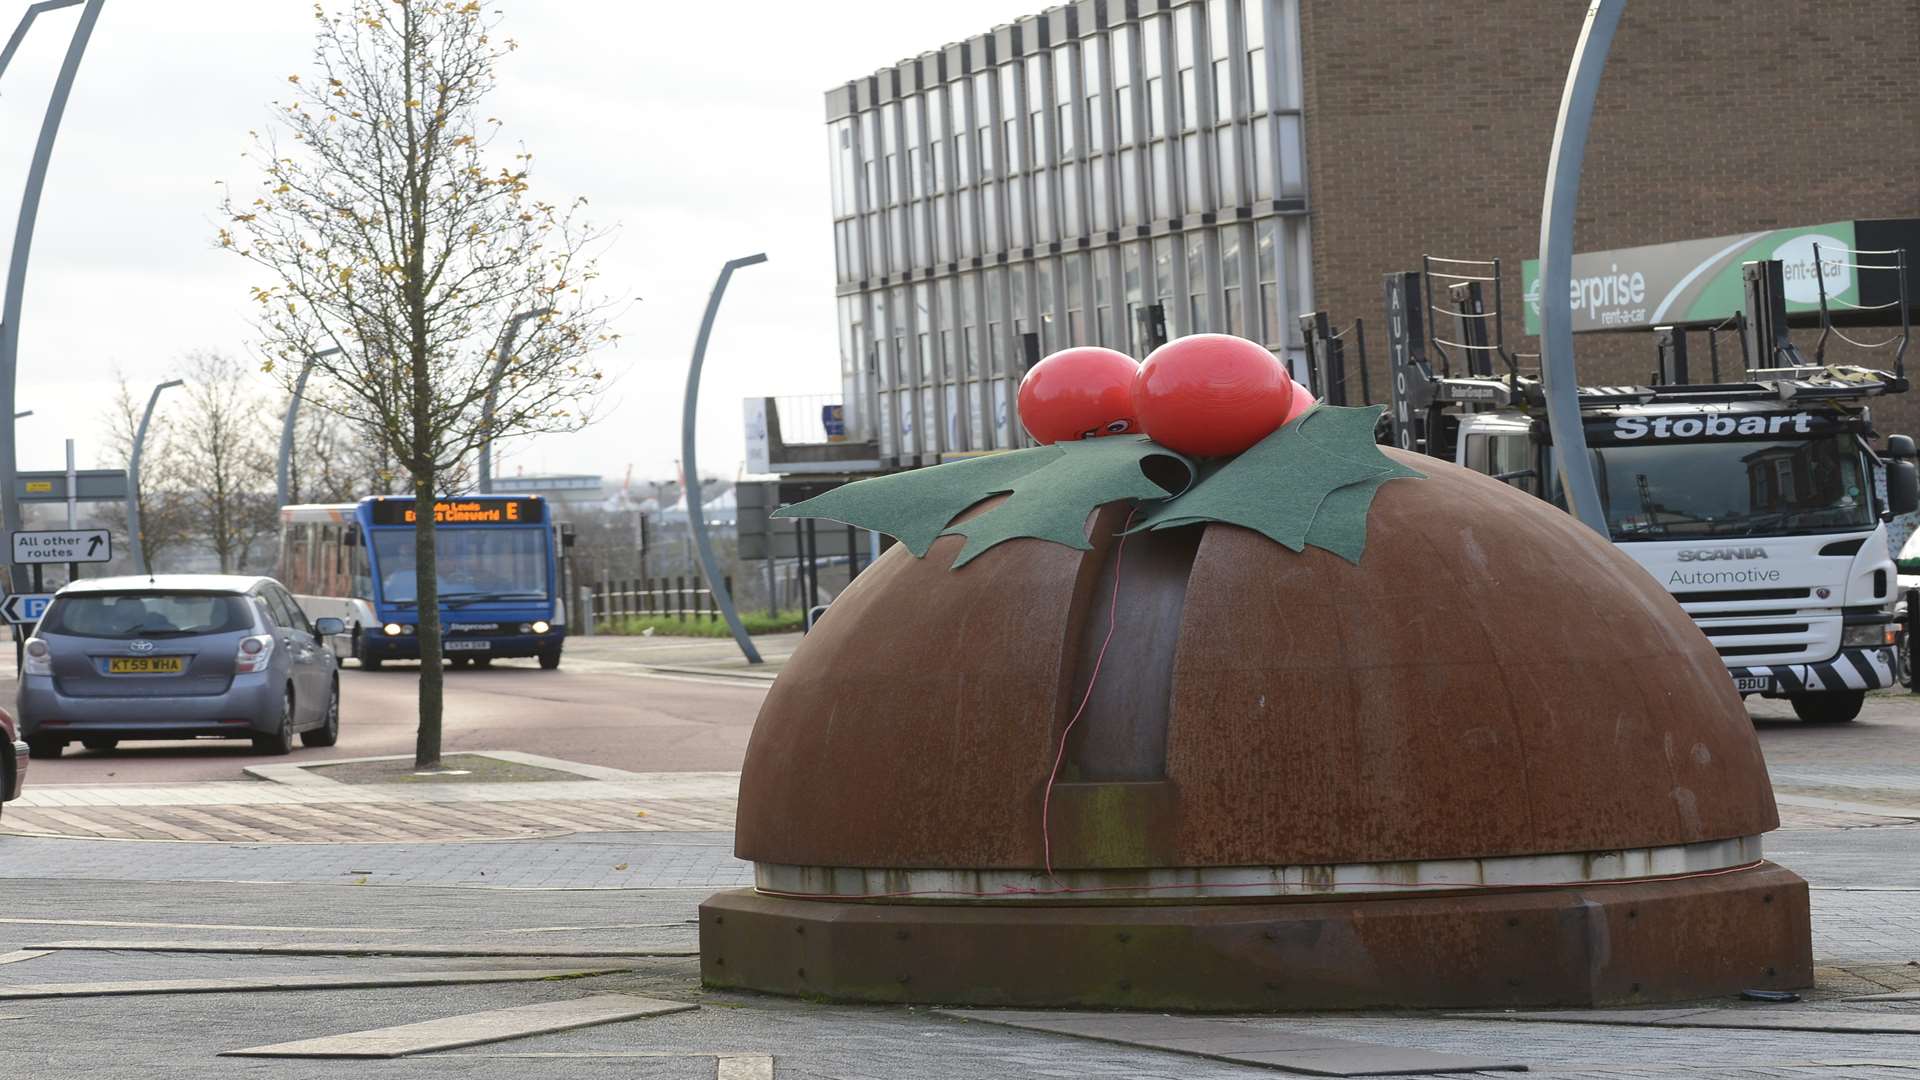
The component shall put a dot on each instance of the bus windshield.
(1734, 488)
(474, 564)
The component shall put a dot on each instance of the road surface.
(608, 704)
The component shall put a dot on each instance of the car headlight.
(540, 626)
(1870, 636)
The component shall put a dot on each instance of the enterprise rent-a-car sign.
(1698, 281)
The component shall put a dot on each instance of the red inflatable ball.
(1212, 395)
(1079, 393)
(1303, 400)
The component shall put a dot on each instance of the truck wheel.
(1903, 662)
(1835, 708)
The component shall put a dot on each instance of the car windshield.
(474, 564)
(147, 615)
(1734, 488)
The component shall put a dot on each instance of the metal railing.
(804, 419)
(677, 597)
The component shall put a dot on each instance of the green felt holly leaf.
(1053, 501)
(1050, 491)
(1310, 482)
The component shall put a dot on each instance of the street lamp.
(133, 477)
(690, 484)
(284, 471)
(16, 290)
(501, 353)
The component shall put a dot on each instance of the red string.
(1015, 890)
(1113, 619)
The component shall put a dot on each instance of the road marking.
(18, 955)
(281, 948)
(294, 982)
(683, 924)
(214, 926)
(743, 1067)
(473, 1029)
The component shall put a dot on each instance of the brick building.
(1118, 171)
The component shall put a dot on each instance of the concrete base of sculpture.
(1609, 944)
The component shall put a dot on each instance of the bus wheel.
(457, 661)
(369, 663)
(483, 661)
(550, 659)
(1835, 708)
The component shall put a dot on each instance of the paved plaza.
(282, 907)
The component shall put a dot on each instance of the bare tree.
(166, 523)
(387, 233)
(335, 461)
(223, 445)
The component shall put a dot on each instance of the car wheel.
(1836, 708)
(281, 741)
(550, 659)
(45, 749)
(328, 733)
(99, 744)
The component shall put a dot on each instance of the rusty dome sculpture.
(1489, 763)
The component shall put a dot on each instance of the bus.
(499, 578)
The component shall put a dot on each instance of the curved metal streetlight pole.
(133, 478)
(501, 354)
(1557, 376)
(23, 243)
(696, 519)
(283, 470)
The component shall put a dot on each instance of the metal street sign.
(63, 546)
(90, 485)
(25, 609)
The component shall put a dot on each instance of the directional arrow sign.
(63, 546)
(25, 609)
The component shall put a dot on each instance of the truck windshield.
(474, 564)
(1759, 488)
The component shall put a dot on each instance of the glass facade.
(1076, 178)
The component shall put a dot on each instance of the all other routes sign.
(25, 608)
(63, 546)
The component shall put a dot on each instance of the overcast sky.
(697, 127)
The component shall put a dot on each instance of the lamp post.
(1557, 376)
(23, 239)
(283, 473)
(696, 518)
(500, 356)
(133, 478)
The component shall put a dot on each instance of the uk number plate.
(144, 665)
(1758, 684)
(468, 646)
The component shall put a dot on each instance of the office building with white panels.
(1109, 172)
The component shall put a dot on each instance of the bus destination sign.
(475, 511)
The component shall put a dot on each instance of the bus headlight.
(394, 629)
(540, 626)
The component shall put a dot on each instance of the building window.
(1103, 334)
(1198, 322)
(1230, 280)
(1076, 268)
(1123, 83)
(1050, 306)
(1183, 67)
(1152, 53)
(1134, 301)
(1220, 48)
(969, 326)
(1266, 259)
(1070, 223)
(1256, 23)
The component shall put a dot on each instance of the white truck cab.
(1759, 517)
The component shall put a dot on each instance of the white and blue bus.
(498, 573)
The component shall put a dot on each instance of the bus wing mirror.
(566, 535)
(350, 536)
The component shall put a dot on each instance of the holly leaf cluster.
(1311, 482)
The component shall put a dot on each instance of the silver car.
(178, 656)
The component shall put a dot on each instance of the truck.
(1759, 502)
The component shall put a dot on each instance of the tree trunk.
(426, 576)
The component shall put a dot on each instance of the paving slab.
(1760, 1018)
(471, 1029)
(1241, 1044)
(282, 948)
(292, 982)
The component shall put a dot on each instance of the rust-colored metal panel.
(1491, 680)
(1621, 943)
